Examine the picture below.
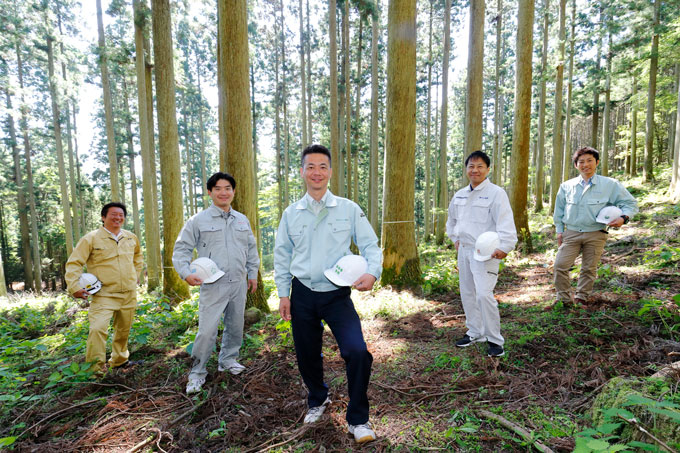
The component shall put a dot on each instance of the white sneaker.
(194, 385)
(231, 366)
(362, 433)
(315, 413)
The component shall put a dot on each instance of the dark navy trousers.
(308, 308)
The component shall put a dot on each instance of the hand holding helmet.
(90, 284)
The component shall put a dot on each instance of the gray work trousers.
(217, 299)
(477, 281)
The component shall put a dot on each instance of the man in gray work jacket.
(223, 235)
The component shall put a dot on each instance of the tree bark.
(373, 166)
(427, 199)
(241, 159)
(333, 50)
(475, 81)
(497, 127)
(604, 156)
(648, 169)
(131, 159)
(401, 266)
(443, 199)
(596, 90)
(108, 108)
(59, 147)
(570, 83)
(21, 199)
(675, 175)
(171, 176)
(540, 171)
(37, 270)
(558, 139)
(152, 239)
(521, 135)
(303, 81)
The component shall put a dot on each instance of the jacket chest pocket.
(296, 233)
(210, 235)
(340, 230)
(241, 233)
(479, 210)
(126, 246)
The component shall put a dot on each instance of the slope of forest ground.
(426, 395)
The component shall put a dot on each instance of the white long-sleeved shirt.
(476, 211)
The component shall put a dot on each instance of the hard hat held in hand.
(486, 244)
(347, 270)
(90, 283)
(607, 214)
(205, 269)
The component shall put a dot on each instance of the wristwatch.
(625, 218)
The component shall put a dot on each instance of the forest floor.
(425, 394)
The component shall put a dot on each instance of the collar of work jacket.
(331, 200)
(219, 212)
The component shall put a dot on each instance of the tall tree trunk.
(3, 283)
(633, 130)
(201, 124)
(108, 108)
(348, 96)
(21, 200)
(131, 159)
(241, 159)
(30, 188)
(284, 103)
(152, 239)
(648, 169)
(596, 90)
(570, 83)
(171, 176)
(373, 166)
(59, 147)
(521, 134)
(443, 199)
(303, 80)
(333, 49)
(497, 127)
(540, 171)
(310, 88)
(156, 245)
(427, 199)
(357, 110)
(277, 128)
(607, 111)
(475, 81)
(401, 266)
(558, 143)
(675, 175)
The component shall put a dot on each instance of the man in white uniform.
(480, 207)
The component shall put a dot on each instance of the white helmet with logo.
(347, 270)
(205, 269)
(607, 214)
(90, 283)
(485, 245)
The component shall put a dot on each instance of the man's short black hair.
(585, 150)
(315, 149)
(114, 204)
(212, 181)
(479, 155)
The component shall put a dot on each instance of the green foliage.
(668, 312)
(440, 278)
(665, 256)
(219, 432)
(607, 436)
(445, 361)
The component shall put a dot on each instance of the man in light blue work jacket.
(314, 233)
(223, 235)
(577, 205)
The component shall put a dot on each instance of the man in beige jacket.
(114, 256)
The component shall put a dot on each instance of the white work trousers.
(219, 299)
(477, 281)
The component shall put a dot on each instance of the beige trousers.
(590, 246)
(102, 309)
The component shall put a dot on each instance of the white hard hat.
(205, 269)
(90, 283)
(485, 245)
(607, 214)
(347, 270)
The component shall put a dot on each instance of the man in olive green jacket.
(114, 256)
